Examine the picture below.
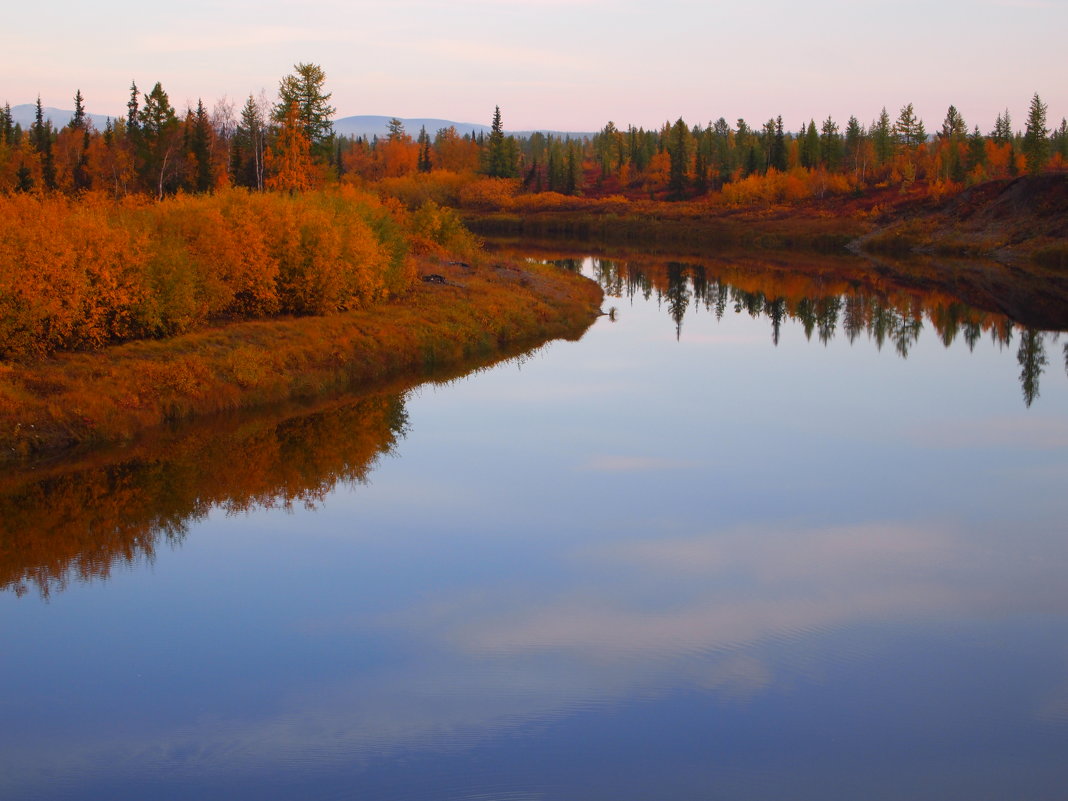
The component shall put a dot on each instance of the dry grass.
(73, 398)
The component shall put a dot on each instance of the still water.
(757, 535)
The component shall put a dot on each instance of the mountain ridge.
(367, 125)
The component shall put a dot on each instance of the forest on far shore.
(288, 144)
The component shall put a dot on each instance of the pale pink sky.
(563, 64)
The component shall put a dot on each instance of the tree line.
(289, 144)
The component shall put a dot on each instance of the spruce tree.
(1036, 141)
(498, 156)
(200, 149)
(79, 119)
(250, 141)
(424, 164)
(830, 144)
(810, 146)
(133, 112)
(41, 140)
(159, 141)
(1002, 132)
(854, 146)
(882, 138)
(7, 127)
(304, 87)
(953, 127)
(976, 151)
(80, 122)
(778, 147)
(679, 153)
(909, 128)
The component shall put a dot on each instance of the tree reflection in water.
(77, 523)
(821, 303)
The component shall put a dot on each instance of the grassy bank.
(672, 227)
(69, 399)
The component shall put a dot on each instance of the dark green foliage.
(500, 153)
(304, 86)
(1036, 142)
(809, 152)
(953, 127)
(1002, 132)
(200, 149)
(7, 128)
(159, 142)
(854, 147)
(976, 150)
(1059, 140)
(679, 153)
(133, 113)
(882, 138)
(424, 164)
(830, 145)
(41, 136)
(909, 129)
(778, 158)
(248, 146)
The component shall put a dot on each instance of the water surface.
(760, 534)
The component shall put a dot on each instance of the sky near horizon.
(558, 64)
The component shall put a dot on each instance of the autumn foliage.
(77, 274)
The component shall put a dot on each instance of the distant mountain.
(370, 125)
(25, 114)
(362, 125)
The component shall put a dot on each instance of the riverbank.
(1020, 221)
(466, 309)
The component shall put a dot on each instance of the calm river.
(759, 534)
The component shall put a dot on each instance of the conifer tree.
(160, 140)
(133, 113)
(830, 144)
(855, 147)
(678, 147)
(976, 151)
(79, 119)
(304, 86)
(41, 140)
(1059, 140)
(80, 122)
(810, 145)
(953, 127)
(250, 141)
(498, 156)
(1036, 141)
(200, 149)
(778, 147)
(882, 138)
(909, 128)
(7, 127)
(1002, 132)
(424, 163)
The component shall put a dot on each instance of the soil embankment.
(1017, 221)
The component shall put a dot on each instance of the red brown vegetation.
(71, 398)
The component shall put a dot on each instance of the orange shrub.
(78, 274)
(489, 193)
(442, 187)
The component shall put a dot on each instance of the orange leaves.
(774, 187)
(68, 278)
(489, 193)
(441, 229)
(79, 274)
(289, 163)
